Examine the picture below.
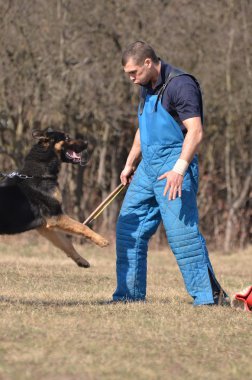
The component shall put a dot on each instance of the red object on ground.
(245, 296)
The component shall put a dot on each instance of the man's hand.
(132, 160)
(127, 174)
(173, 183)
(190, 145)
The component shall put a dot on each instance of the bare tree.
(60, 66)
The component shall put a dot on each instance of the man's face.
(138, 74)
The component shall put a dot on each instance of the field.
(56, 325)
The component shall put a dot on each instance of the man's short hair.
(139, 51)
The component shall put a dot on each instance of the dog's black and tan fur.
(35, 203)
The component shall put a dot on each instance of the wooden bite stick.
(104, 204)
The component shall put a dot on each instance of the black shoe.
(221, 298)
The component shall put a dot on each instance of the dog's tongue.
(73, 154)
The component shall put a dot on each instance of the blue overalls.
(144, 206)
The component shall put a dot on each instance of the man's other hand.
(173, 184)
(127, 174)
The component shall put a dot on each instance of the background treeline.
(60, 65)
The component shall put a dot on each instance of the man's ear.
(148, 62)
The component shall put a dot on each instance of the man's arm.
(191, 143)
(132, 160)
(193, 138)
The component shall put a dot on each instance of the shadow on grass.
(73, 303)
(45, 303)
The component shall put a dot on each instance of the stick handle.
(104, 204)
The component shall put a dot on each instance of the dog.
(31, 199)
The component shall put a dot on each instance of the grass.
(56, 326)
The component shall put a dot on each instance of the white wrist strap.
(181, 166)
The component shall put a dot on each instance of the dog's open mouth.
(73, 156)
(77, 158)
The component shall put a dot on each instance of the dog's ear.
(38, 134)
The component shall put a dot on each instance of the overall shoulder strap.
(173, 74)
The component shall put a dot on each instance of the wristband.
(180, 167)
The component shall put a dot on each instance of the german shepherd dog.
(31, 199)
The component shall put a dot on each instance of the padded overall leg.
(180, 217)
(137, 222)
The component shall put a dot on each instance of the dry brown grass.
(56, 326)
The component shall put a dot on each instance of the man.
(165, 183)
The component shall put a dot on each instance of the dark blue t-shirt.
(181, 98)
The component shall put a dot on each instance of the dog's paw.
(103, 242)
(83, 263)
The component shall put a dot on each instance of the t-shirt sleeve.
(185, 97)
